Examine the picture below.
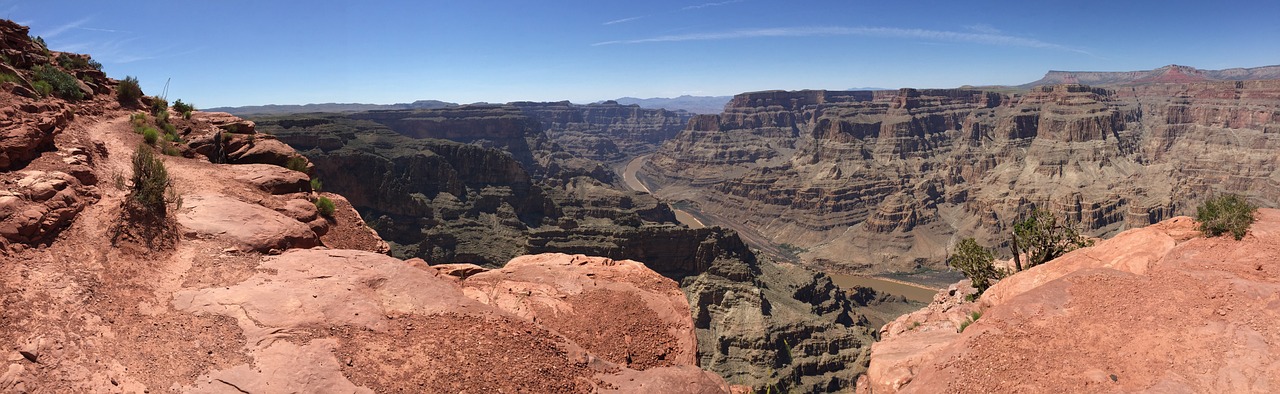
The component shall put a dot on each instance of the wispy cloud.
(715, 4)
(101, 30)
(623, 20)
(983, 28)
(885, 32)
(57, 31)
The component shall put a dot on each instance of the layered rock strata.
(887, 181)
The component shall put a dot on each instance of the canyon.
(608, 247)
(887, 181)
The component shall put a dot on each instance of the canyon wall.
(887, 181)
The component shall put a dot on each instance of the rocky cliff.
(758, 324)
(606, 132)
(1155, 309)
(238, 283)
(885, 181)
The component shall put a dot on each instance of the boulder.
(272, 179)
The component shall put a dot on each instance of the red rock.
(1154, 309)
(249, 227)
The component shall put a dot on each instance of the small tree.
(1041, 238)
(1228, 212)
(976, 263)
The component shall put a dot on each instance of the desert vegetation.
(151, 188)
(1225, 213)
(1036, 239)
(129, 92)
(976, 263)
(325, 206)
(51, 80)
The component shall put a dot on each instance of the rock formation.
(465, 201)
(606, 132)
(885, 181)
(1155, 309)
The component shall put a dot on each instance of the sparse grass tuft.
(297, 163)
(1226, 213)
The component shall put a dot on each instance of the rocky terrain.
(1168, 74)
(242, 286)
(286, 109)
(887, 181)
(1155, 309)
(693, 104)
(607, 132)
(478, 185)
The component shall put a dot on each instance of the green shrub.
(129, 92)
(159, 106)
(43, 88)
(150, 181)
(64, 85)
(1225, 213)
(170, 150)
(975, 261)
(973, 317)
(325, 206)
(182, 107)
(72, 62)
(316, 184)
(6, 77)
(297, 163)
(150, 135)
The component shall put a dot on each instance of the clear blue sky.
(241, 52)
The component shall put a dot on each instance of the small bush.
(325, 206)
(973, 317)
(6, 77)
(182, 107)
(1225, 213)
(72, 62)
(159, 106)
(975, 261)
(150, 135)
(1041, 237)
(150, 181)
(170, 150)
(43, 88)
(63, 84)
(129, 92)
(297, 163)
(316, 184)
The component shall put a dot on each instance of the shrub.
(71, 62)
(1040, 238)
(159, 106)
(150, 181)
(316, 184)
(6, 77)
(150, 135)
(43, 88)
(297, 163)
(1228, 212)
(170, 150)
(129, 92)
(182, 107)
(975, 261)
(63, 84)
(325, 206)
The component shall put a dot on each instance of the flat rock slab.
(249, 227)
(272, 178)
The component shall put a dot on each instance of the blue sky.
(240, 52)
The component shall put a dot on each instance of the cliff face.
(606, 132)
(1155, 309)
(757, 323)
(883, 181)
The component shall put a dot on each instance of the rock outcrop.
(1155, 309)
(885, 181)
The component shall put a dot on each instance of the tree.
(976, 263)
(1040, 237)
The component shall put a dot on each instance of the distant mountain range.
(273, 109)
(1168, 74)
